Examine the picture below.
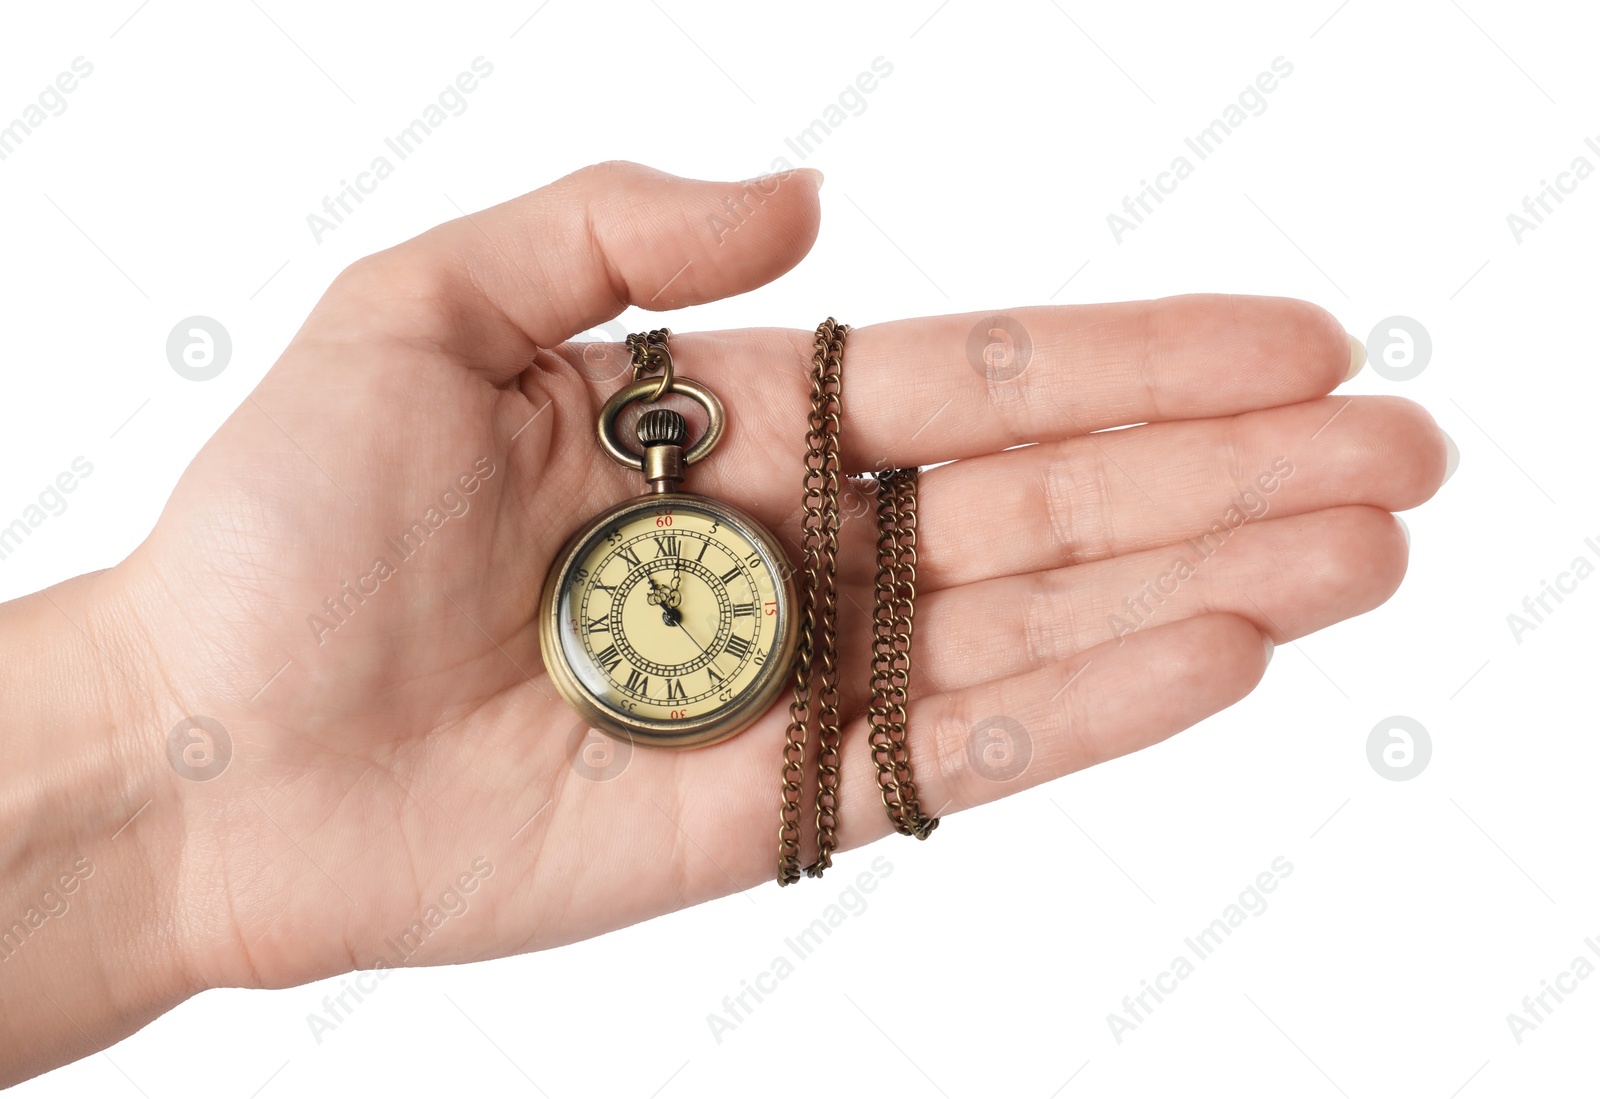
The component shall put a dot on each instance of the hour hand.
(661, 598)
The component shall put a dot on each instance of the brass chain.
(648, 353)
(817, 649)
(895, 590)
(819, 605)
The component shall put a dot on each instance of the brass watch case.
(729, 720)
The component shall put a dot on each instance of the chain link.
(648, 351)
(816, 657)
(895, 590)
(819, 568)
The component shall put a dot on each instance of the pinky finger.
(982, 743)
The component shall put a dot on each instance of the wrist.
(91, 837)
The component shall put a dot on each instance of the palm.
(384, 743)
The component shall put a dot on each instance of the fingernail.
(1270, 647)
(777, 179)
(1358, 358)
(1452, 457)
(1404, 530)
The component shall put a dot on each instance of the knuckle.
(400, 292)
(401, 272)
(1049, 623)
(1077, 502)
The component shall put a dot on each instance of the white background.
(979, 175)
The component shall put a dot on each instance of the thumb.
(536, 270)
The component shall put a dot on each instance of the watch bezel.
(725, 722)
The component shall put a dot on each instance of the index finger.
(934, 389)
(938, 388)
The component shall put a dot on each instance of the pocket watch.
(669, 619)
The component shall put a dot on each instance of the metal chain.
(819, 570)
(648, 351)
(894, 595)
(892, 629)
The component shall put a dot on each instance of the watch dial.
(670, 613)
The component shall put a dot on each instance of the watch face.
(673, 620)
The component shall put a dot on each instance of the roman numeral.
(638, 683)
(731, 575)
(744, 610)
(667, 546)
(599, 625)
(711, 671)
(629, 555)
(605, 587)
(675, 690)
(702, 554)
(738, 646)
(608, 658)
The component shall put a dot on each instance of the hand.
(666, 599)
(393, 730)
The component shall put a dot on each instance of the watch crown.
(662, 427)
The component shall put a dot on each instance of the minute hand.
(670, 614)
(678, 621)
(673, 616)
